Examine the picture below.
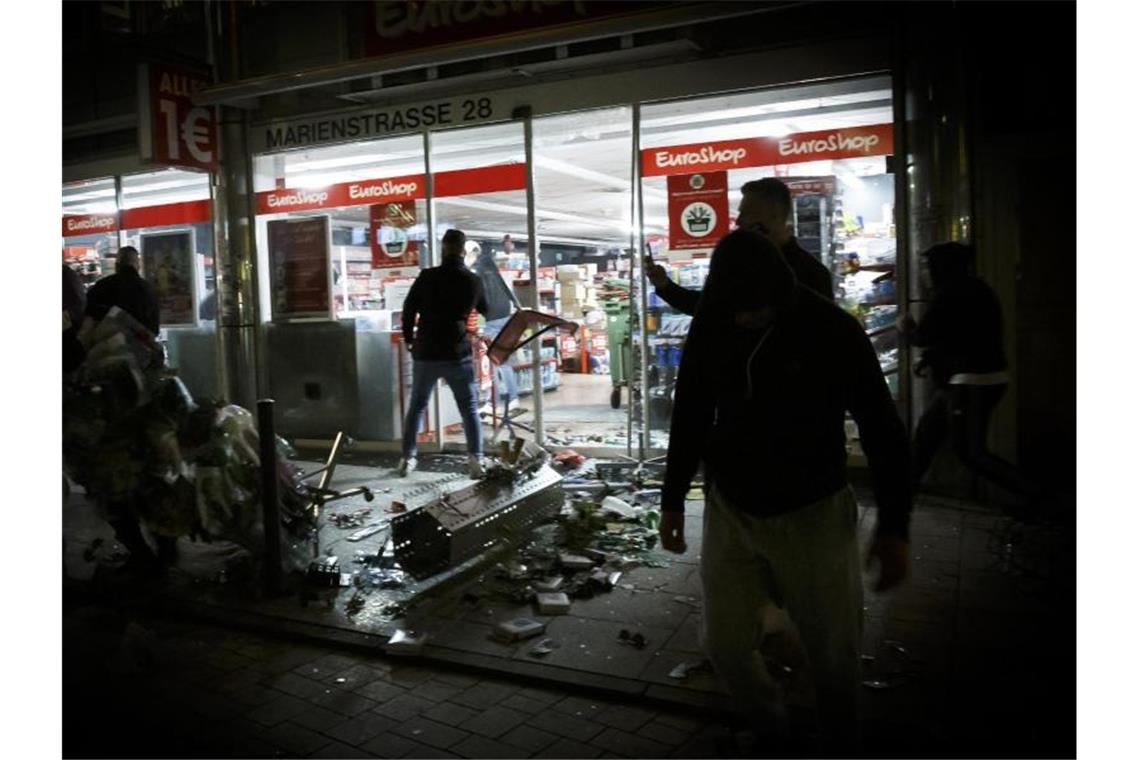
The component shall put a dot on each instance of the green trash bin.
(617, 339)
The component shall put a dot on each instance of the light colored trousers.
(806, 562)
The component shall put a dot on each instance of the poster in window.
(391, 227)
(698, 209)
(169, 264)
(300, 275)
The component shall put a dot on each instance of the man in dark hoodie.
(768, 374)
(126, 289)
(765, 206)
(961, 333)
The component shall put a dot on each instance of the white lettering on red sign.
(382, 191)
(706, 156)
(298, 198)
(94, 223)
(830, 144)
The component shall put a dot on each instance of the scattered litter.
(518, 629)
(324, 572)
(553, 604)
(341, 680)
(345, 580)
(549, 585)
(635, 640)
(897, 647)
(351, 607)
(575, 562)
(368, 530)
(569, 458)
(398, 507)
(887, 680)
(353, 519)
(688, 600)
(619, 507)
(544, 647)
(404, 642)
(686, 669)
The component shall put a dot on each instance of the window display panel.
(827, 143)
(166, 216)
(479, 187)
(584, 217)
(90, 228)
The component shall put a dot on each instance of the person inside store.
(963, 353)
(765, 207)
(768, 374)
(435, 331)
(126, 289)
(501, 303)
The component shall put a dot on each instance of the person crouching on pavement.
(768, 374)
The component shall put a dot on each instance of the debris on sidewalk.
(518, 629)
(406, 642)
(686, 669)
(553, 604)
(353, 519)
(635, 640)
(544, 647)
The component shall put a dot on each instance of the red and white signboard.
(367, 192)
(75, 225)
(698, 209)
(172, 130)
(389, 224)
(830, 144)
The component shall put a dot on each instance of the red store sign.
(172, 130)
(487, 179)
(75, 225)
(829, 144)
(698, 209)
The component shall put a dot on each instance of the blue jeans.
(506, 384)
(460, 376)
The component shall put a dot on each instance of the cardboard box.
(553, 604)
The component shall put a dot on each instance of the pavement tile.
(277, 710)
(346, 703)
(582, 707)
(389, 745)
(410, 675)
(337, 750)
(329, 665)
(421, 729)
(295, 739)
(565, 725)
(209, 704)
(238, 681)
(667, 735)
(494, 722)
(436, 691)
(356, 676)
(524, 704)
(485, 693)
(546, 696)
(296, 685)
(381, 690)
(700, 746)
(482, 747)
(592, 646)
(678, 722)
(253, 696)
(318, 719)
(450, 713)
(403, 707)
(227, 661)
(625, 717)
(457, 679)
(630, 745)
(291, 658)
(430, 753)
(359, 730)
(528, 738)
(568, 748)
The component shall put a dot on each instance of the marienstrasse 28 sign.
(172, 130)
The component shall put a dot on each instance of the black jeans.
(963, 412)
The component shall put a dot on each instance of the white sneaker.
(406, 465)
(474, 466)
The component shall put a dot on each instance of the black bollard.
(271, 513)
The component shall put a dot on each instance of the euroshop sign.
(831, 144)
(75, 225)
(172, 130)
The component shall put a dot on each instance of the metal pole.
(532, 259)
(271, 516)
(643, 440)
(434, 257)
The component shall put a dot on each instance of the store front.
(565, 200)
(166, 216)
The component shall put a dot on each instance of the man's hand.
(893, 554)
(655, 273)
(672, 532)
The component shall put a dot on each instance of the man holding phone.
(765, 207)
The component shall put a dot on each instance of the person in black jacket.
(442, 298)
(126, 289)
(74, 303)
(766, 379)
(961, 333)
(765, 206)
(501, 303)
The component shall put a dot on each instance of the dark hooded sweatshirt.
(807, 270)
(764, 410)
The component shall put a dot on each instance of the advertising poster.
(168, 263)
(299, 270)
(698, 209)
(390, 224)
